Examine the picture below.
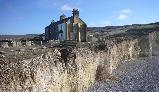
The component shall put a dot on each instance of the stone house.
(71, 28)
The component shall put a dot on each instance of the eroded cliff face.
(71, 70)
(57, 71)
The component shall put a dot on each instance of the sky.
(32, 16)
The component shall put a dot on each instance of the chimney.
(62, 17)
(75, 12)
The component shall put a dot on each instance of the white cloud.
(66, 7)
(100, 24)
(126, 11)
(124, 14)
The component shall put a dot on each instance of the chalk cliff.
(73, 70)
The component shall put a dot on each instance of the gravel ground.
(141, 75)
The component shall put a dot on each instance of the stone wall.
(21, 43)
(4, 44)
(18, 44)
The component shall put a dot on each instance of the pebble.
(137, 76)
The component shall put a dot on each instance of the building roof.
(62, 21)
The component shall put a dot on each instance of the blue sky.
(32, 16)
